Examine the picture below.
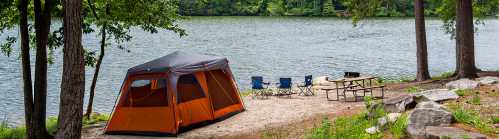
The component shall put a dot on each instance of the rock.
(462, 84)
(397, 104)
(488, 80)
(427, 114)
(372, 130)
(392, 117)
(382, 121)
(436, 95)
(434, 132)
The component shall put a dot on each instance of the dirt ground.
(275, 117)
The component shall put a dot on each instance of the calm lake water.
(269, 46)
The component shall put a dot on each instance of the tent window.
(189, 89)
(147, 93)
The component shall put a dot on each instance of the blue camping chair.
(257, 86)
(306, 87)
(284, 87)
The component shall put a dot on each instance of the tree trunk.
(26, 68)
(42, 27)
(96, 73)
(465, 39)
(421, 50)
(73, 74)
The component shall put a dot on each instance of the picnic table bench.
(354, 85)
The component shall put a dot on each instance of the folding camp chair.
(306, 87)
(257, 86)
(284, 87)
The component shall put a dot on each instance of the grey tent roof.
(181, 62)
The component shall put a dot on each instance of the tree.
(35, 99)
(362, 9)
(115, 18)
(421, 49)
(73, 74)
(465, 39)
(328, 9)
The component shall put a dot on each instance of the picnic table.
(362, 84)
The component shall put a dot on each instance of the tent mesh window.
(147, 93)
(188, 89)
(221, 89)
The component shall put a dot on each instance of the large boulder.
(462, 84)
(435, 132)
(436, 95)
(397, 104)
(427, 113)
(489, 80)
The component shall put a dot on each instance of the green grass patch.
(7, 132)
(472, 118)
(398, 128)
(444, 75)
(11, 133)
(464, 92)
(246, 93)
(475, 100)
(413, 89)
(388, 80)
(352, 127)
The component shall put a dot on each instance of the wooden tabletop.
(353, 79)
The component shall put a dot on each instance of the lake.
(269, 46)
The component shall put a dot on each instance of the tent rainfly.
(174, 92)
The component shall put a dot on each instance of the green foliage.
(95, 118)
(464, 92)
(413, 89)
(472, 118)
(329, 9)
(475, 100)
(11, 133)
(399, 127)
(51, 125)
(345, 127)
(444, 75)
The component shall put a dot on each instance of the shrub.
(475, 100)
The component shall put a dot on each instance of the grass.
(444, 75)
(475, 100)
(352, 127)
(397, 129)
(464, 92)
(7, 132)
(472, 118)
(11, 133)
(413, 89)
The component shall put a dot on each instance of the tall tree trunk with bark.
(96, 73)
(465, 39)
(73, 74)
(26, 68)
(421, 50)
(42, 27)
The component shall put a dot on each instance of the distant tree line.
(390, 8)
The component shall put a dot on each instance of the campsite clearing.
(273, 117)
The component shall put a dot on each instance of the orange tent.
(174, 92)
